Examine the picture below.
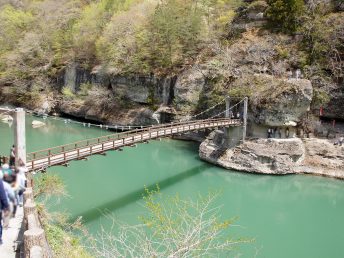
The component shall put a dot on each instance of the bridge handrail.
(122, 135)
(90, 142)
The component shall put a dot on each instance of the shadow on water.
(113, 205)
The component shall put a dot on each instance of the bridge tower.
(244, 130)
(19, 135)
(228, 131)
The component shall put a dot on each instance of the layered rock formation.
(275, 102)
(276, 156)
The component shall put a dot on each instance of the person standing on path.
(279, 133)
(4, 206)
(12, 156)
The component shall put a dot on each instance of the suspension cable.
(229, 109)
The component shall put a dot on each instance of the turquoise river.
(288, 216)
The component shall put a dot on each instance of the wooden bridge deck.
(79, 150)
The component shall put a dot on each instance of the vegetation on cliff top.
(39, 39)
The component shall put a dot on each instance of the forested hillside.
(140, 36)
(206, 47)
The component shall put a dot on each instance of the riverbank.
(276, 156)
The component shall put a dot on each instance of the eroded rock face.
(135, 88)
(277, 102)
(134, 116)
(276, 156)
(188, 88)
(266, 156)
(144, 89)
(323, 157)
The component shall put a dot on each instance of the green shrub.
(283, 53)
(320, 98)
(68, 93)
(84, 89)
(285, 14)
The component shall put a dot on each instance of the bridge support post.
(19, 136)
(245, 119)
(228, 104)
(227, 115)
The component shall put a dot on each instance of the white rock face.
(276, 156)
(188, 87)
(266, 156)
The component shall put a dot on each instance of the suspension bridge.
(35, 243)
(61, 155)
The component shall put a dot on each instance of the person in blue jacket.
(4, 206)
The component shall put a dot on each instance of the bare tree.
(172, 228)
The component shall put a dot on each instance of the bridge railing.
(116, 136)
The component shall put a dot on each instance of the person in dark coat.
(287, 132)
(12, 156)
(4, 206)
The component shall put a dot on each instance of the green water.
(289, 216)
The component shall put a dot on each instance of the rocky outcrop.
(269, 156)
(188, 88)
(135, 88)
(144, 89)
(116, 99)
(276, 156)
(274, 101)
(133, 116)
(277, 102)
(322, 157)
